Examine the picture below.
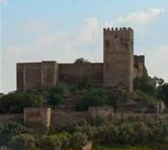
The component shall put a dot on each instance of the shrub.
(22, 141)
(55, 95)
(4, 148)
(162, 93)
(7, 130)
(78, 140)
(16, 102)
(93, 97)
(145, 84)
(54, 142)
(50, 143)
(117, 98)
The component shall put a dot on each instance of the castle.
(118, 69)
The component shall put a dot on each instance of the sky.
(64, 30)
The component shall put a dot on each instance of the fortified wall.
(119, 66)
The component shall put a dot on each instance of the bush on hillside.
(55, 95)
(145, 84)
(22, 141)
(162, 93)
(93, 97)
(117, 98)
(7, 130)
(16, 102)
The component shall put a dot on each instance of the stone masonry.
(39, 118)
(118, 69)
(36, 75)
(118, 58)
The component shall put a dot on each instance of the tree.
(80, 61)
(93, 97)
(55, 95)
(54, 99)
(16, 102)
(50, 142)
(117, 98)
(162, 93)
(145, 84)
(78, 140)
(8, 130)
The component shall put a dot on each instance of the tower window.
(107, 43)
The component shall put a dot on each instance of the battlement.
(117, 29)
(123, 33)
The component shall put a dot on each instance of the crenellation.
(125, 34)
(118, 29)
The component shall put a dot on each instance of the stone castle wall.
(37, 117)
(139, 66)
(28, 76)
(103, 112)
(73, 73)
(36, 75)
(119, 68)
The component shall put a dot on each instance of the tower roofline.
(118, 29)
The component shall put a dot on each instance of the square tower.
(38, 75)
(118, 58)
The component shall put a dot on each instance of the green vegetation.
(162, 93)
(147, 91)
(22, 141)
(16, 137)
(8, 130)
(55, 95)
(93, 97)
(129, 132)
(100, 97)
(132, 134)
(149, 147)
(80, 61)
(145, 84)
(117, 98)
(16, 102)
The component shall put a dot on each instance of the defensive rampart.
(75, 73)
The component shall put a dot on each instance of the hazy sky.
(63, 30)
